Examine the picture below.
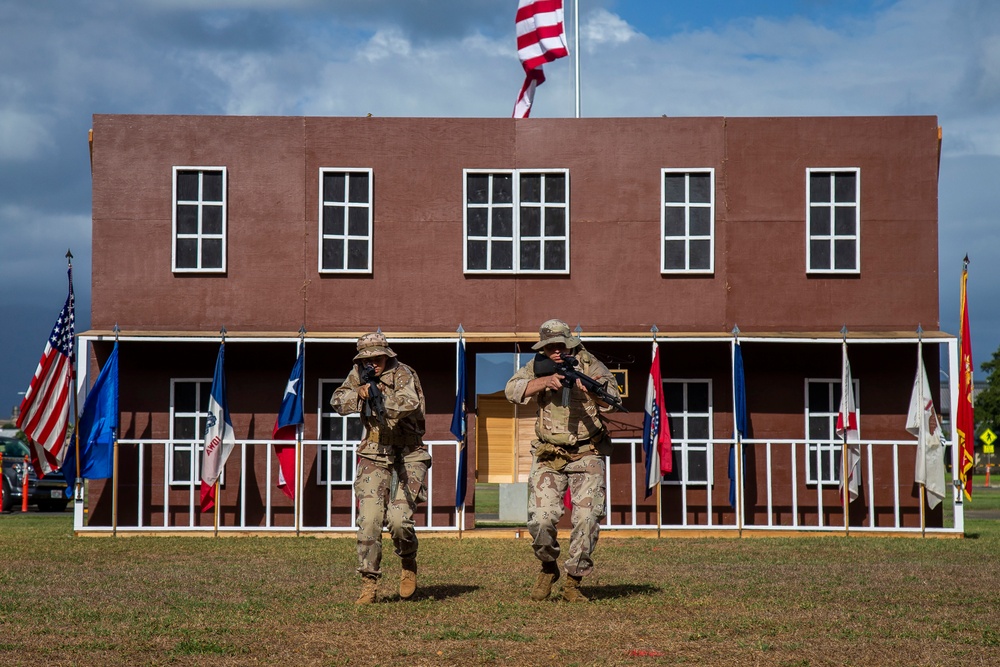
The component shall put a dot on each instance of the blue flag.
(97, 428)
(740, 416)
(458, 429)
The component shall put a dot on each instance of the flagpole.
(78, 484)
(297, 474)
(656, 444)
(460, 511)
(845, 485)
(739, 442)
(114, 468)
(576, 51)
(920, 433)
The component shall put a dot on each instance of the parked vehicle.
(48, 493)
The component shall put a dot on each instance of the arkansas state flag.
(656, 445)
(847, 429)
(219, 435)
(286, 427)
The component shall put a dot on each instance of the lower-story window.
(689, 409)
(340, 436)
(823, 448)
(188, 415)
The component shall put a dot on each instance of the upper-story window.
(345, 215)
(833, 220)
(517, 221)
(199, 221)
(823, 449)
(687, 225)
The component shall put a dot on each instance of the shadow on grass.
(619, 591)
(442, 591)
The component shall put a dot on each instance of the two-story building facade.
(797, 233)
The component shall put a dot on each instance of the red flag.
(44, 411)
(541, 38)
(965, 421)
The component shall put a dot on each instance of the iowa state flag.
(656, 444)
(286, 427)
(219, 435)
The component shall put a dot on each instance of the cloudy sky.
(63, 60)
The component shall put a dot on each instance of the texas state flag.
(286, 427)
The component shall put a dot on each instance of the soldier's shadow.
(442, 591)
(615, 591)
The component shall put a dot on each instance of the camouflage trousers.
(372, 488)
(546, 488)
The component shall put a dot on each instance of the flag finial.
(965, 262)
(736, 331)
(69, 256)
(116, 330)
(222, 332)
(920, 332)
(843, 332)
(302, 331)
(460, 329)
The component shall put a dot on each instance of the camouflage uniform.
(395, 448)
(569, 450)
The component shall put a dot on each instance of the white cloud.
(603, 27)
(23, 136)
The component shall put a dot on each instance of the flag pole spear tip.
(736, 331)
(843, 331)
(460, 329)
(920, 332)
(302, 331)
(69, 256)
(116, 330)
(222, 331)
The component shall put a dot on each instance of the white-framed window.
(199, 219)
(188, 415)
(687, 221)
(833, 220)
(345, 220)
(516, 221)
(823, 446)
(689, 410)
(340, 436)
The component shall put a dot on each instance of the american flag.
(44, 411)
(541, 38)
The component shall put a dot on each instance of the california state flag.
(219, 435)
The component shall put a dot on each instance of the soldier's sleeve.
(514, 391)
(401, 398)
(600, 372)
(345, 399)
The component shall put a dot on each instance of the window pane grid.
(517, 222)
(689, 411)
(199, 219)
(834, 220)
(823, 445)
(688, 221)
(188, 407)
(345, 220)
(342, 434)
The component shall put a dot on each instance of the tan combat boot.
(369, 587)
(543, 584)
(571, 589)
(408, 578)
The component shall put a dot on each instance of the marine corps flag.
(965, 421)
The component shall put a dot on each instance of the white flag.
(922, 421)
(847, 429)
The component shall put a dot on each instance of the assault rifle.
(375, 403)
(566, 367)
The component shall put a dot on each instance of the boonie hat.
(373, 345)
(555, 331)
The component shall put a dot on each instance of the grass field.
(265, 600)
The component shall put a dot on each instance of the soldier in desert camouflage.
(569, 449)
(392, 444)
